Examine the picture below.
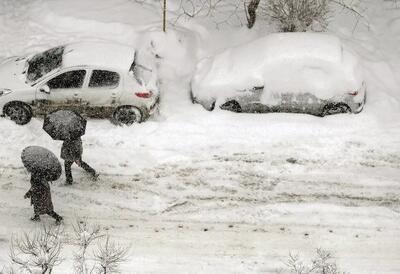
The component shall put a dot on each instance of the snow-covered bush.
(297, 15)
(301, 15)
(221, 12)
(84, 234)
(38, 252)
(107, 255)
(322, 263)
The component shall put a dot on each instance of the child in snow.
(71, 152)
(40, 196)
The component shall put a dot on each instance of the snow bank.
(282, 62)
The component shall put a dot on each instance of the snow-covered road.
(239, 211)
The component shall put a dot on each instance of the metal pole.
(165, 16)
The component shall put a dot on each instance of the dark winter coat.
(40, 195)
(72, 150)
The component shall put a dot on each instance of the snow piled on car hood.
(11, 74)
(282, 63)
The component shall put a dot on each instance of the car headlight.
(5, 91)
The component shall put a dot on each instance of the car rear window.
(44, 62)
(104, 78)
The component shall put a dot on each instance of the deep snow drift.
(218, 192)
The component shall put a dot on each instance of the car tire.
(20, 113)
(127, 115)
(335, 108)
(232, 106)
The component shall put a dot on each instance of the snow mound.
(282, 63)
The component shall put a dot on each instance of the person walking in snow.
(40, 196)
(71, 152)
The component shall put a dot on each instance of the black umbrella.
(41, 160)
(64, 125)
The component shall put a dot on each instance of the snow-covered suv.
(283, 72)
(93, 78)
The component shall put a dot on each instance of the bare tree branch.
(109, 256)
(85, 234)
(39, 250)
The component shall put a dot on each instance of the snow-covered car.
(283, 72)
(97, 79)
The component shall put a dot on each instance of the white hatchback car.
(95, 79)
(284, 72)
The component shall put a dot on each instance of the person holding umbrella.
(71, 152)
(44, 167)
(69, 126)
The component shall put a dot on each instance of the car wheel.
(127, 115)
(232, 106)
(335, 108)
(20, 113)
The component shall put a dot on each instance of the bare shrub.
(84, 234)
(322, 263)
(38, 252)
(297, 15)
(300, 15)
(291, 15)
(221, 12)
(109, 255)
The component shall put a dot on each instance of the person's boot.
(69, 181)
(35, 218)
(57, 217)
(59, 220)
(95, 176)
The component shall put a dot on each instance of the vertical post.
(165, 16)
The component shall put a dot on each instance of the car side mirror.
(45, 89)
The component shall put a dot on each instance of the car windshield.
(44, 62)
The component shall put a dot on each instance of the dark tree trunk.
(252, 13)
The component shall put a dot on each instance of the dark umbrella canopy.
(41, 160)
(64, 125)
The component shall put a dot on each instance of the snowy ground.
(201, 192)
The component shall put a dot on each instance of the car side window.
(70, 79)
(104, 79)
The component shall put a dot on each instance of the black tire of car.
(127, 115)
(19, 112)
(232, 106)
(335, 108)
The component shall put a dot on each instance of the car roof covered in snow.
(99, 54)
(281, 62)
